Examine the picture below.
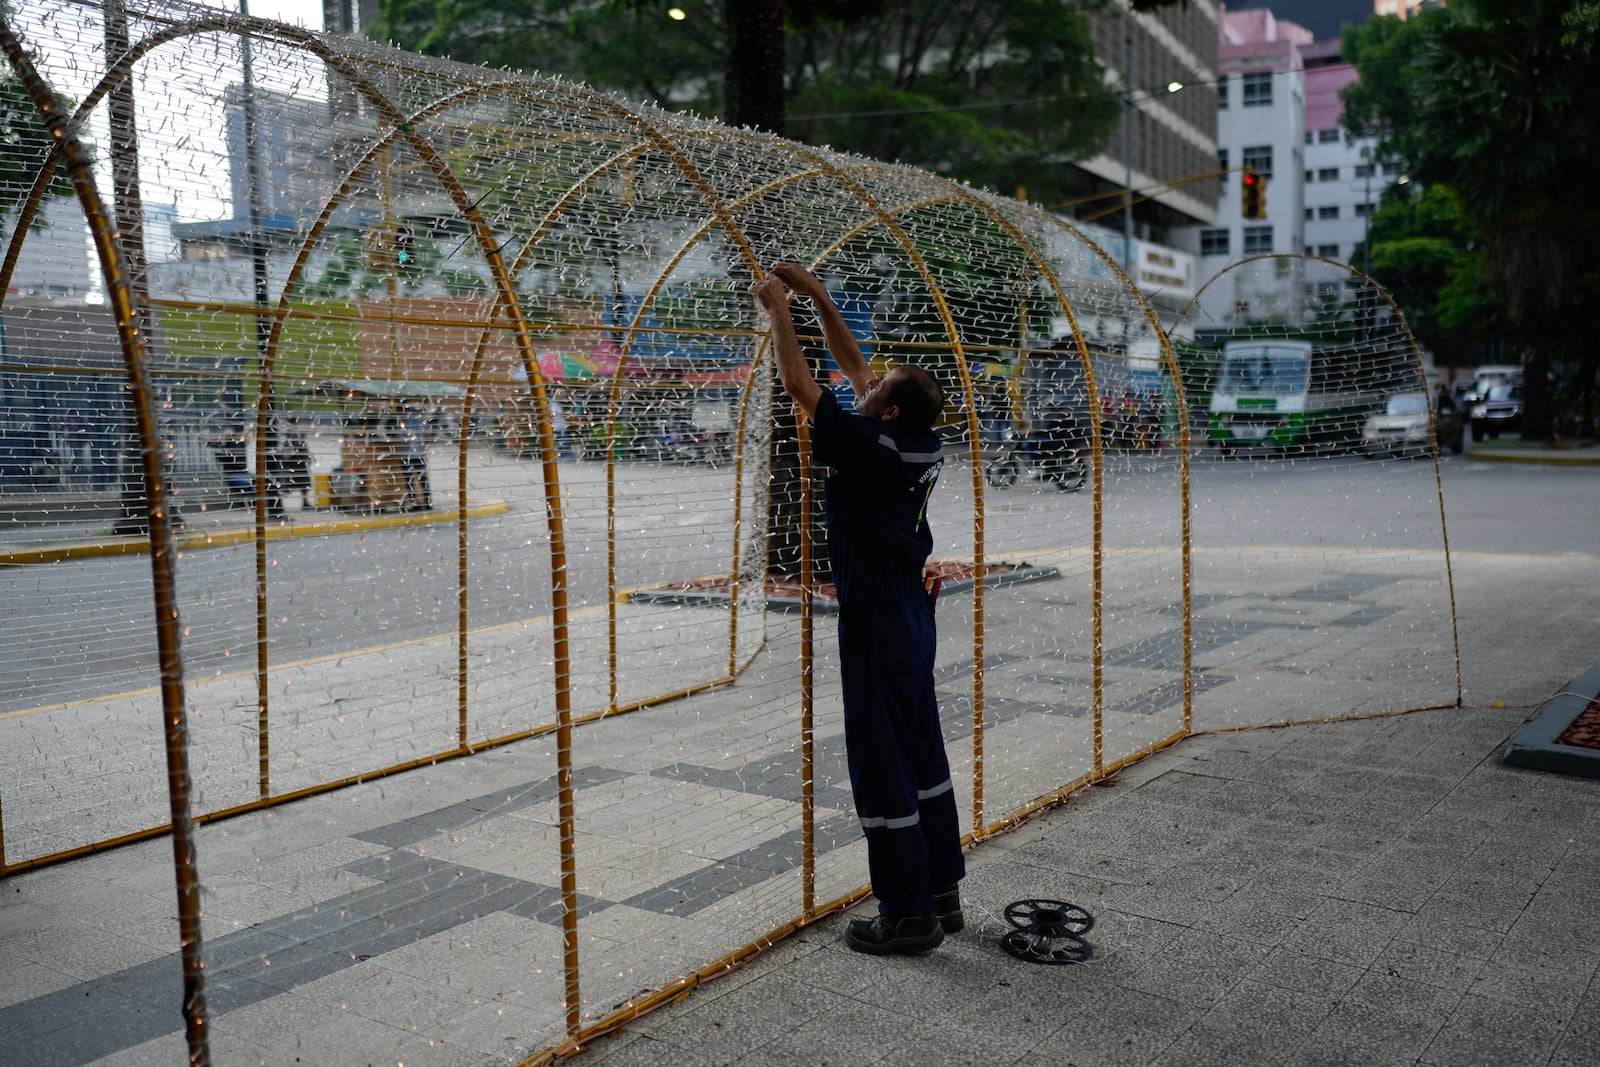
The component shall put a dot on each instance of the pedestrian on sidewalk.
(884, 459)
(414, 462)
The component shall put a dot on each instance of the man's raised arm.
(841, 342)
(793, 370)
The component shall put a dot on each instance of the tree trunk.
(754, 95)
(752, 73)
(1538, 415)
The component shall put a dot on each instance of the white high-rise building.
(1260, 125)
(1343, 182)
(1403, 8)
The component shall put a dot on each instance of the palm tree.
(1496, 98)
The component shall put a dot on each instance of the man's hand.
(841, 343)
(800, 280)
(789, 362)
(770, 293)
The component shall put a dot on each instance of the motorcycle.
(684, 443)
(1047, 454)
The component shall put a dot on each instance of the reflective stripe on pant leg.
(936, 799)
(881, 755)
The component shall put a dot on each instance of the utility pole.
(1127, 160)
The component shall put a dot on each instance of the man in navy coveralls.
(884, 460)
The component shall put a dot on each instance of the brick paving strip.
(1585, 729)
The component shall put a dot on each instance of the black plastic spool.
(1048, 931)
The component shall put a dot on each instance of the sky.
(307, 13)
(1322, 17)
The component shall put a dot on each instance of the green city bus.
(1294, 396)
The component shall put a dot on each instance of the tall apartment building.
(1403, 8)
(1343, 180)
(1282, 114)
(1173, 133)
(1261, 102)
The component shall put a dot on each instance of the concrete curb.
(1535, 745)
(1553, 457)
(827, 605)
(192, 540)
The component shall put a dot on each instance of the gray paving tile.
(1249, 922)
(724, 1030)
(931, 1042)
(51, 1029)
(1330, 1050)
(1553, 989)
(1496, 916)
(1208, 1043)
(1274, 897)
(1192, 983)
(350, 1038)
(618, 1050)
(1347, 931)
(1166, 903)
(1374, 886)
(1129, 1028)
(1180, 787)
(1579, 1044)
(1486, 1032)
(1292, 969)
(850, 1032)
(1389, 1035)
(1429, 966)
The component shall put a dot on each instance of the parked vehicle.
(1497, 413)
(1290, 395)
(1404, 426)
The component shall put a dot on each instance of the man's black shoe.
(947, 906)
(883, 936)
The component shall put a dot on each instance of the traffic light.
(1253, 194)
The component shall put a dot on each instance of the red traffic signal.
(1253, 195)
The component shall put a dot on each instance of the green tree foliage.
(996, 92)
(1497, 99)
(24, 146)
(1430, 258)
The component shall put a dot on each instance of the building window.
(1256, 89)
(1328, 251)
(1311, 213)
(1363, 170)
(1327, 136)
(1391, 168)
(1222, 93)
(1222, 159)
(1214, 242)
(1330, 211)
(1310, 177)
(1328, 174)
(1258, 158)
(1363, 211)
(1257, 239)
(1309, 136)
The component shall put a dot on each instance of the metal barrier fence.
(452, 427)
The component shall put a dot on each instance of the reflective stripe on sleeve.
(910, 457)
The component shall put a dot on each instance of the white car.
(1403, 426)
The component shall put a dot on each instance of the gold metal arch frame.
(1361, 357)
(499, 161)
